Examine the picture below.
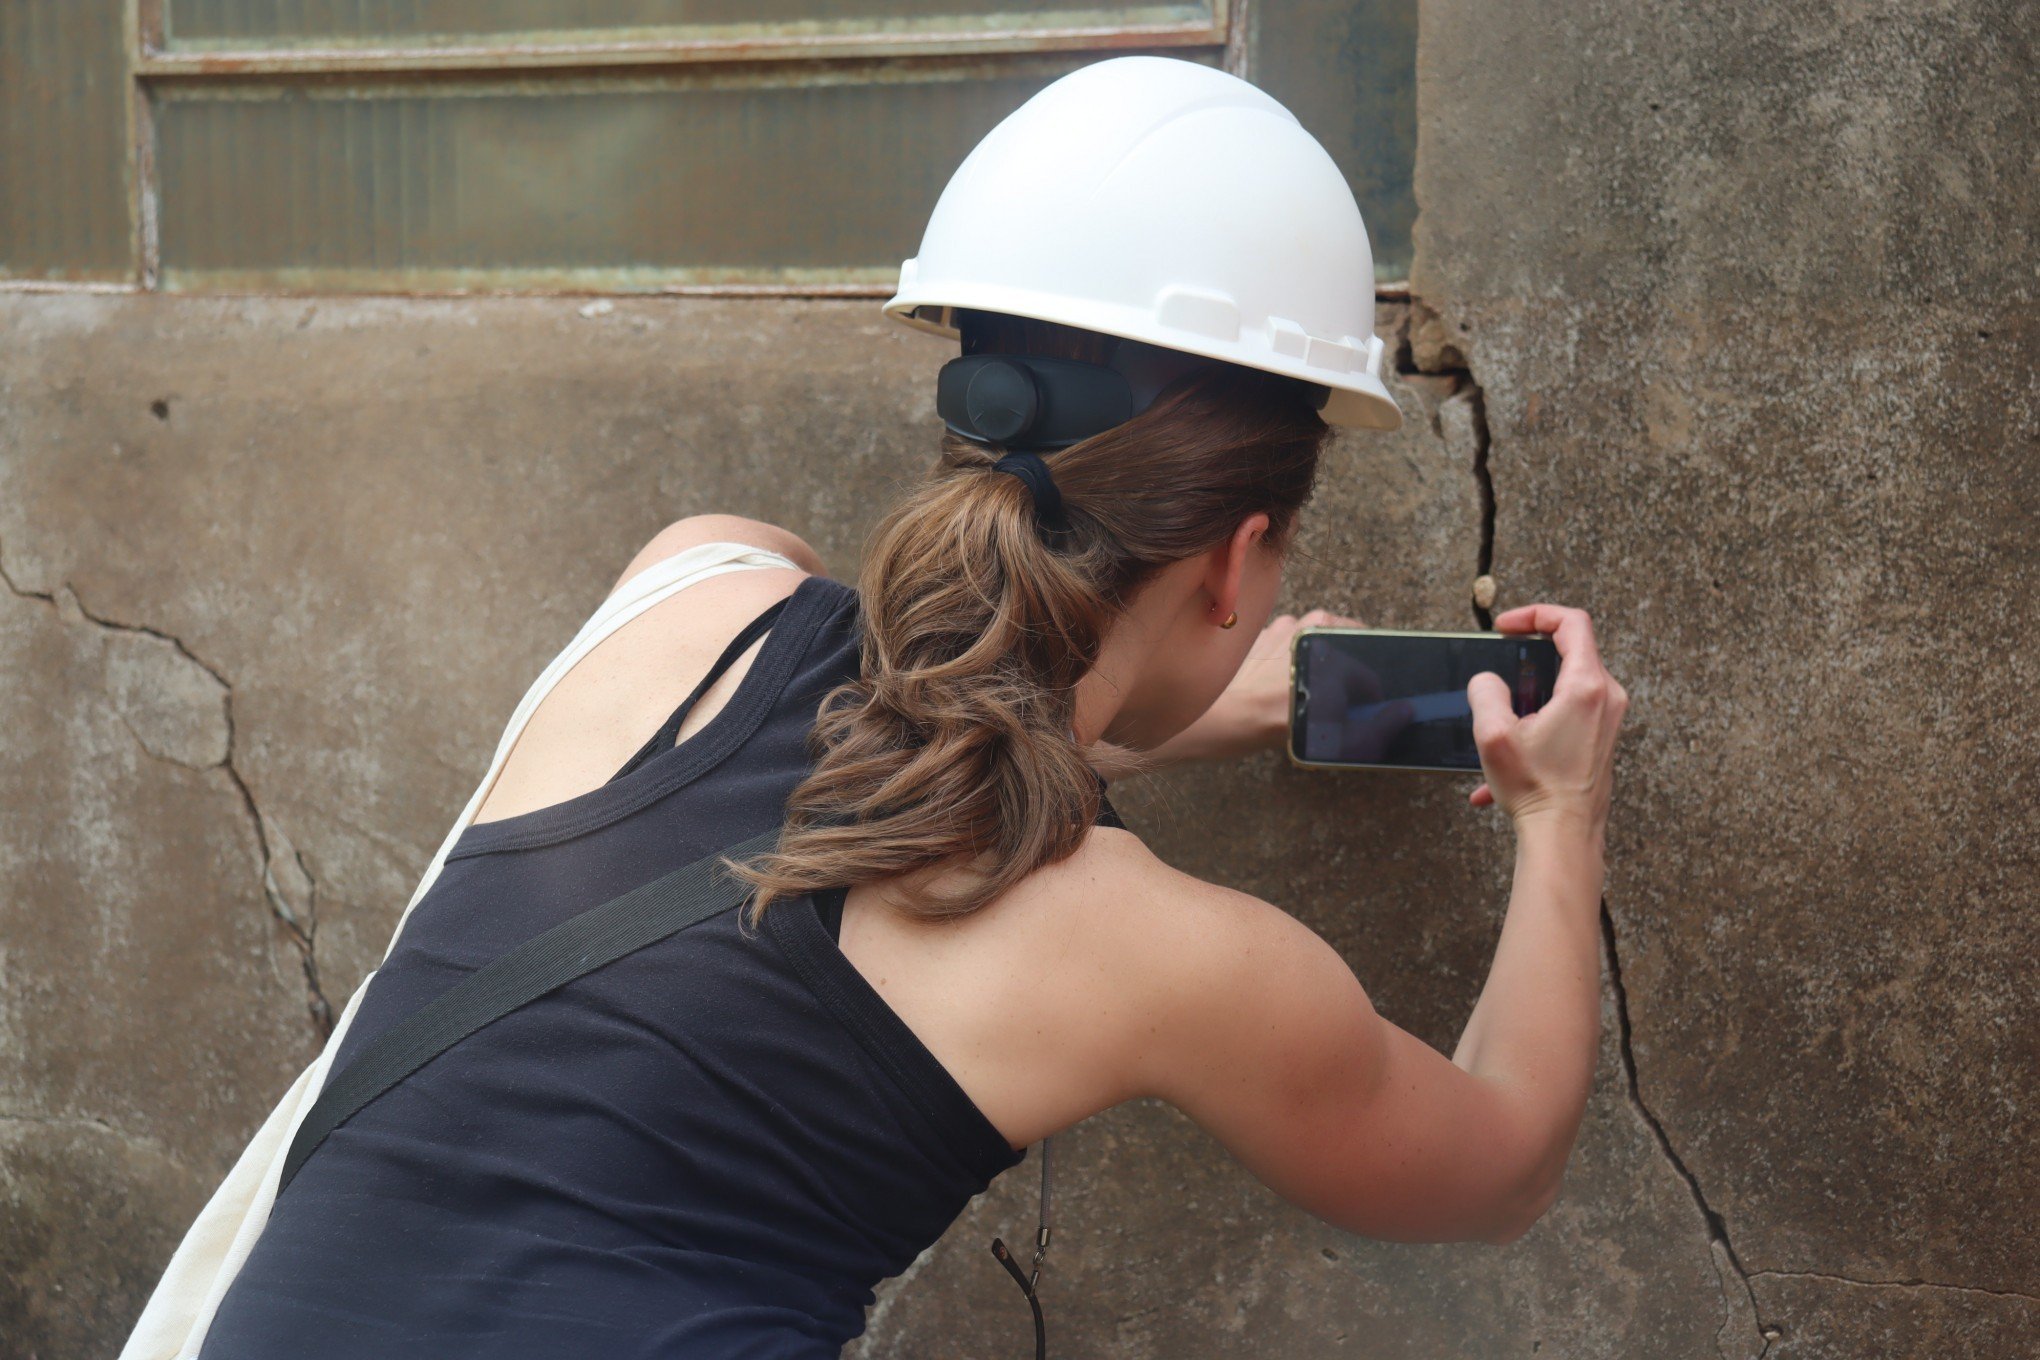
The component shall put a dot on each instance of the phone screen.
(1392, 699)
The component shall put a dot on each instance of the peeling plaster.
(138, 683)
(888, 1293)
(1426, 357)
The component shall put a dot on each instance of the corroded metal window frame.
(156, 58)
(412, 235)
(158, 70)
(159, 73)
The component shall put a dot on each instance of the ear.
(1227, 564)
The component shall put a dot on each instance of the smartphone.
(1378, 699)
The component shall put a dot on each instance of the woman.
(717, 1145)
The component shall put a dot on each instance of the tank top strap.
(1108, 815)
(669, 730)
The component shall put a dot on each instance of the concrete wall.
(1723, 326)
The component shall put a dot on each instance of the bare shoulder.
(602, 709)
(1093, 981)
(1196, 932)
(1195, 962)
(695, 530)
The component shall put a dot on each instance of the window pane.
(64, 140)
(328, 22)
(1347, 69)
(724, 178)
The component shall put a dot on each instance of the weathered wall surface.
(1748, 298)
(1751, 295)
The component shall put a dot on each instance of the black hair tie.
(1031, 469)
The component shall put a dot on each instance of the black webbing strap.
(600, 935)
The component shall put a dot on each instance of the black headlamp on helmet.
(1036, 403)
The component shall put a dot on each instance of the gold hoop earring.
(1231, 619)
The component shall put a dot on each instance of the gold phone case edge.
(1289, 726)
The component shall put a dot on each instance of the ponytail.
(953, 749)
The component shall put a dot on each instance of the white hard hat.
(1162, 201)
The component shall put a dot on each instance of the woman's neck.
(1124, 658)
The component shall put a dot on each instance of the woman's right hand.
(1559, 760)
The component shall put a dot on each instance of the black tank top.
(714, 1147)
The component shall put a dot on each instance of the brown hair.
(953, 748)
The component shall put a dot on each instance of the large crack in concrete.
(1485, 481)
(1424, 355)
(1739, 1296)
(1430, 351)
(301, 924)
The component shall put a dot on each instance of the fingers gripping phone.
(1379, 699)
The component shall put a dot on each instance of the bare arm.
(1252, 715)
(1264, 1036)
(1538, 1017)
(1536, 1029)
(1267, 1040)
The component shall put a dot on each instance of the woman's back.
(715, 1146)
(719, 1145)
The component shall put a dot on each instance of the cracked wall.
(374, 538)
(1751, 300)
(1722, 325)
(181, 711)
(145, 1003)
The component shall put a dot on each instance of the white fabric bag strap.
(649, 587)
(174, 1323)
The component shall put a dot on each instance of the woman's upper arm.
(1264, 1037)
(695, 530)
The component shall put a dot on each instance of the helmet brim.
(1358, 399)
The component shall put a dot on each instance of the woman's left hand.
(1253, 713)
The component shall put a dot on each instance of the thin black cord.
(1026, 1287)
(1028, 1280)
